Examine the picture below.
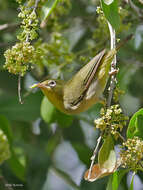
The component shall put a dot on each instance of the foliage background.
(50, 150)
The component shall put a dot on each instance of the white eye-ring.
(52, 83)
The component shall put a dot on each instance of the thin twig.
(94, 156)
(19, 89)
(135, 8)
(113, 64)
(36, 5)
(4, 44)
(89, 49)
(6, 26)
(121, 137)
(27, 39)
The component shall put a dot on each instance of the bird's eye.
(52, 83)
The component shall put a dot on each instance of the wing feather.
(76, 88)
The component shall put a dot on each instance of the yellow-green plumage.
(85, 88)
(91, 88)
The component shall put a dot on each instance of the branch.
(134, 7)
(113, 64)
(111, 88)
(94, 156)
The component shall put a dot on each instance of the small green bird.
(85, 88)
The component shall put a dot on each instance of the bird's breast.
(82, 106)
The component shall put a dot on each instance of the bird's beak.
(39, 85)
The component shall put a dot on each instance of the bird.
(85, 88)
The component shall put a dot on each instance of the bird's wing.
(75, 89)
(91, 74)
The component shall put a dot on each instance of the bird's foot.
(113, 72)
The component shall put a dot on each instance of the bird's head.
(53, 88)
(48, 85)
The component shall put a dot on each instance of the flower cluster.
(4, 147)
(112, 120)
(102, 26)
(29, 23)
(55, 52)
(124, 15)
(132, 154)
(19, 57)
(117, 93)
(22, 53)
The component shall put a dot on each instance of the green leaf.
(63, 120)
(15, 165)
(135, 127)
(107, 155)
(110, 9)
(52, 143)
(108, 2)
(83, 152)
(5, 126)
(132, 182)
(47, 8)
(76, 130)
(50, 114)
(47, 111)
(115, 179)
(109, 184)
(139, 125)
(13, 110)
(38, 164)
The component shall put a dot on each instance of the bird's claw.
(113, 72)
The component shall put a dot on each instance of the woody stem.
(113, 64)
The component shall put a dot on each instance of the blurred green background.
(50, 150)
